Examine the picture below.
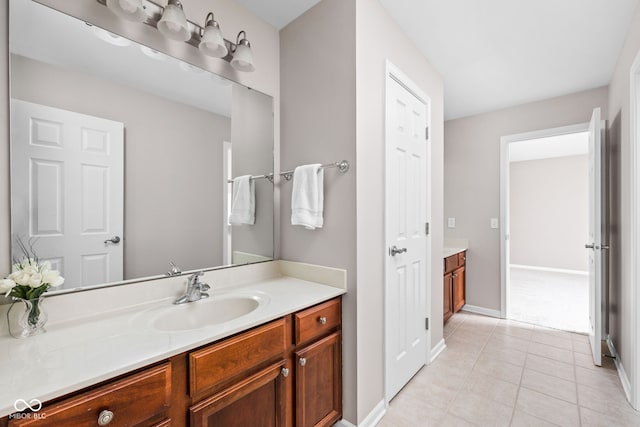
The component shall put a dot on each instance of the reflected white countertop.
(75, 355)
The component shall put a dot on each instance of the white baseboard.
(550, 270)
(435, 351)
(371, 420)
(481, 310)
(624, 379)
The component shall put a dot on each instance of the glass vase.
(33, 319)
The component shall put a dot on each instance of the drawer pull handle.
(303, 361)
(105, 417)
(285, 372)
(322, 320)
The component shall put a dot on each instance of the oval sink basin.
(206, 312)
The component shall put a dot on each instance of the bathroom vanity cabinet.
(454, 284)
(287, 372)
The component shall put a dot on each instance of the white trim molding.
(504, 198)
(634, 252)
(481, 310)
(435, 351)
(370, 420)
(624, 379)
(394, 73)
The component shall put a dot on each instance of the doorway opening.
(546, 218)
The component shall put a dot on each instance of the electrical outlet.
(494, 222)
(451, 222)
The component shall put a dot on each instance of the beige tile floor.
(505, 373)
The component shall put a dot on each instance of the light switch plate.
(451, 222)
(494, 222)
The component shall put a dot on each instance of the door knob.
(115, 240)
(591, 246)
(393, 251)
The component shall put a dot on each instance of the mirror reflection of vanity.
(122, 155)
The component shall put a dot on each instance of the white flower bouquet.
(27, 282)
(30, 279)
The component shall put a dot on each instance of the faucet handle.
(195, 278)
(204, 287)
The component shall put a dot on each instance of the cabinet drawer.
(218, 363)
(450, 263)
(317, 321)
(139, 398)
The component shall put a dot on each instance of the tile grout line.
(515, 405)
(575, 373)
(447, 412)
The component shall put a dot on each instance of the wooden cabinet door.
(257, 401)
(458, 289)
(319, 382)
(447, 307)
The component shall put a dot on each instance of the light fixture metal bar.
(154, 13)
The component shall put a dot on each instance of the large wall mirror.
(121, 155)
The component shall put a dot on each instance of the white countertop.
(75, 355)
(447, 252)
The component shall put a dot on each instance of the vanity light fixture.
(173, 23)
(131, 10)
(110, 38)
(242, 55)
(211, 40)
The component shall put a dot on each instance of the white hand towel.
(307, 198)
(243, 202)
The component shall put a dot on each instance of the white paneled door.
(595, 244)
(406, 200)
(67, 190)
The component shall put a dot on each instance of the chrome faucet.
(195, 289)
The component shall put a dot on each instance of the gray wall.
(155, 149)
(472, 178)
(549, 212)
(333, 104)
(252, 148)
(620, 320)
(319, 126)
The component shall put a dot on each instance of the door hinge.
(426, 228)
(426, 133)
(426, 323)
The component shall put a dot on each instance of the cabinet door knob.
(322, 320)
(303, 361)
(105, 417)
(285, 372)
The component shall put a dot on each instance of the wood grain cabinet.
(140, 399)
(318, 362)
(259, 400)
(232, 386)
(284, 373)
(454, 291)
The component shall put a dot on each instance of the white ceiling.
(573, 144)
(495, 54)
(278, 12)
